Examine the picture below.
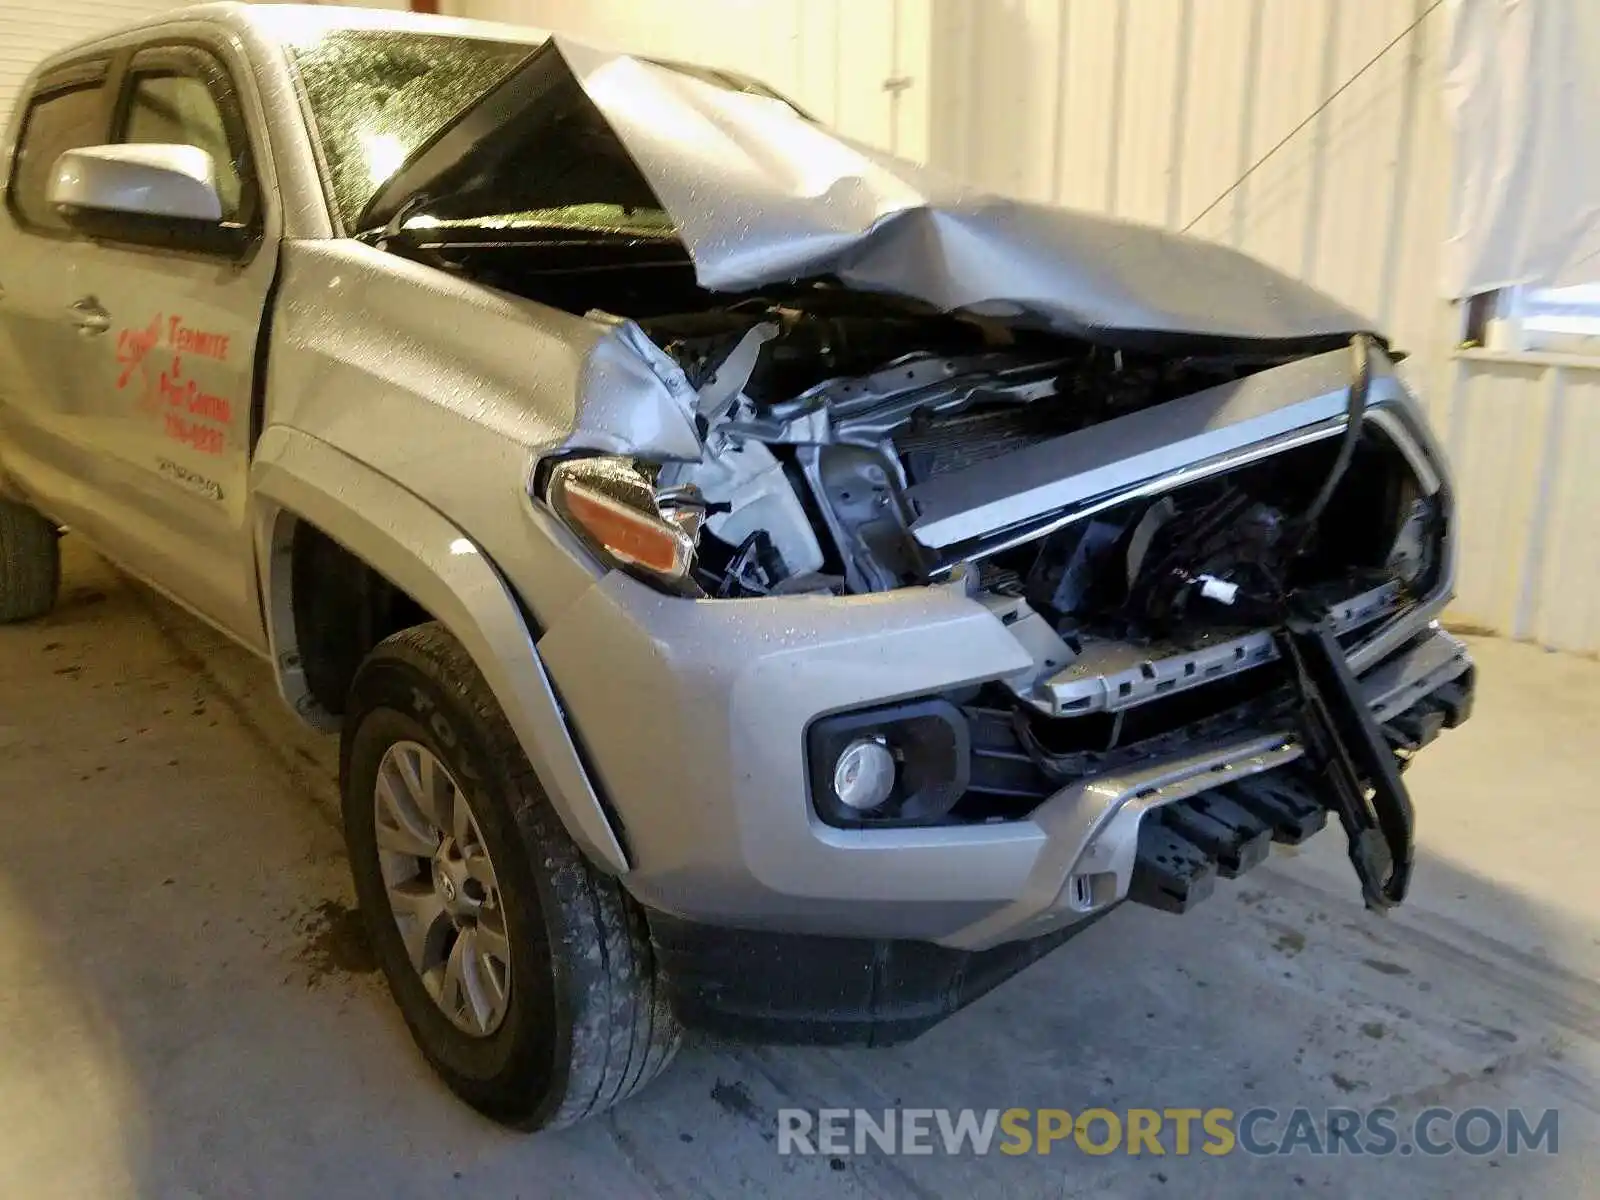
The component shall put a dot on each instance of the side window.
(57, 120)
(182, 95)
(180, 110)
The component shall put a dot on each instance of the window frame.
(96, 70)
(115, 71)
(193, 58)
(150, 89)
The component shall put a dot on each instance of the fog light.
(893, 764)
(863, 777)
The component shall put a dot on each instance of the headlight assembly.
(610, 503)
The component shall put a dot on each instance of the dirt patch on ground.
(1290, 941)
(1384, 967)
(735, 1098)
(335, 943)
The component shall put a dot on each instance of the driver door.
(168, 389)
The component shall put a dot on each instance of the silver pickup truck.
(760, 585)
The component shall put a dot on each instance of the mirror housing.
(147, 194)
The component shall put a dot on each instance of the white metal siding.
(1150, 109)
(1525, 443)
(32, 29)
(833, 56)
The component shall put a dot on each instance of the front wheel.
(524, 975)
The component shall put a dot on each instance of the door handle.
(89, 317)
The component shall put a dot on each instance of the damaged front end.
(1195, 493)
(1189, 550)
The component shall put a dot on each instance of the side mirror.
(154, 195)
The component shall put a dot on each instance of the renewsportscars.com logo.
(1176, 1131)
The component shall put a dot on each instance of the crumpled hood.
(761, 195)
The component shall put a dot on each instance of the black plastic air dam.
(1185, 846)
(807, 990)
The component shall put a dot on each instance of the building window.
(1563, 320)
(1559, 319)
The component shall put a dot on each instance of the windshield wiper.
(381, 235)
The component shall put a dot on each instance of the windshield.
(376, 95)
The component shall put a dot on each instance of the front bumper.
(692, 716)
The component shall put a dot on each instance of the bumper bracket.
(1348, 754)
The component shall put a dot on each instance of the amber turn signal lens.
(611, 504)
(631, 537)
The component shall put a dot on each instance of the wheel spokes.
(418, 911)
(462, 826)
(438, 792)
(493, 943)
(442, 887)
(401, 827)
(480, 868)
(429, 785)
(471, 987)
(491, 973)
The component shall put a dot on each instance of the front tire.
(30, 563)
(524, 975)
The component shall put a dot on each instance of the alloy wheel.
(442, 888)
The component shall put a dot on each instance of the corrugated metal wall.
(31, 29)
(1524, 438)
(834, 56)
(1151, 109)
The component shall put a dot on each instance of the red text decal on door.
(188, 414)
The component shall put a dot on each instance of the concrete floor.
(188, 1011)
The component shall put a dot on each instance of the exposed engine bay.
(820, 420)
(852, 443)
(823, 414)
(818, 414)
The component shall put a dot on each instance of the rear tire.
(30, 563)
(581, 1023)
